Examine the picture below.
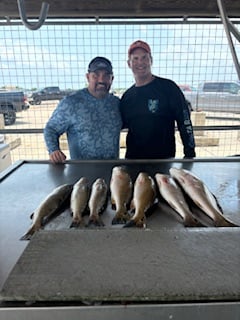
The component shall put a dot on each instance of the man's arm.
(184, 124)
(52, 131)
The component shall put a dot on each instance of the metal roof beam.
(229, 27)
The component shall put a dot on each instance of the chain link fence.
(57, 55)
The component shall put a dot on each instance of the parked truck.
(215, 96)
(48, 93)
(10, 103)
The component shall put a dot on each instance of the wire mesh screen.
(57, 55)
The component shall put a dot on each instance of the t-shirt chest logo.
(153, 105)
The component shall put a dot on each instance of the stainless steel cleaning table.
(165, 270)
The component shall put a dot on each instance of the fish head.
(162, 178)
(81, 183)
(142, 177)
(178, 174)
(184, 177)
(117, 169)
(99, 183)
(82, 180)
(119, 172)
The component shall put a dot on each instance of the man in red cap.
(150, 109)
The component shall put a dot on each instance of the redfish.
(79, 201)
(52, 204)
(173, 195)
(97, 202)
(121, 187)
(144, 196)
(201, 196)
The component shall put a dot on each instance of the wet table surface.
(164, 262)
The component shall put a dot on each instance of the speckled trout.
(173, 195)
(201, 196)
(79, 201)
(97, 202)
(52, 204)
(121, 187)
(144, 197)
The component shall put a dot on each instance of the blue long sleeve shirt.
(92, 126)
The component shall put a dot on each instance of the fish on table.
(144, 197)
(121, 187)
(79, 201)
(173, 195)
(97, 202)
(50, 206)
(197, 190)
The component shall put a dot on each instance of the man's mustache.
(102, 84)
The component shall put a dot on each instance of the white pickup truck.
(215, 96)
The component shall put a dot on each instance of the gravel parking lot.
(209, 143)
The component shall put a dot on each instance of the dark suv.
(48, 93)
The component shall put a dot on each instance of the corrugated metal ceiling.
(122, 8)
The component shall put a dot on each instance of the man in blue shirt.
(90, 118)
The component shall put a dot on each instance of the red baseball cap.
(139, 44)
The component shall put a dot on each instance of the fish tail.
(37, 225)
(95, 221)
(225, 223)
(131, 223)
(138, 221)
(28, 235)
(76, 222)
(192, 222)
(121, 216)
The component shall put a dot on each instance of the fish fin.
(132, 205)
(217, 203)
(104, 206)
(95, 222)
(113, 202)
(31, 215)
(152, 208)
(130, 224)
(60, 209)
(121, 218)
(140, 223)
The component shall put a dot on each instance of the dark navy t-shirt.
(150, 113)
